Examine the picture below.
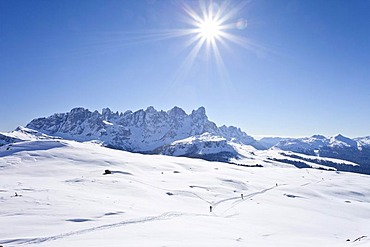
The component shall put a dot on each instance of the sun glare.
(209, 29)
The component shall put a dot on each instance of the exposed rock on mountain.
(144, 131)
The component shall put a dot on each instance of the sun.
(210, 29)
(209, 24)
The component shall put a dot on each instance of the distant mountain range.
(177, 133)
(340, 147)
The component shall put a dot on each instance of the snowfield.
(54, 193)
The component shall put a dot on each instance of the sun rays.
(210, 26)
(206, 29)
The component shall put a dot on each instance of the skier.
(210, 209)
(242, 196)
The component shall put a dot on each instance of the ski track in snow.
(164, 216)
(240, 200)
(29, 241)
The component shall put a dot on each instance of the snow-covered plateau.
(53, 193)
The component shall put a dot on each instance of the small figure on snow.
(16, 195)
(242, 196)
(210, 209)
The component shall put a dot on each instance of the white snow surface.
(63, 199)
(26, 134)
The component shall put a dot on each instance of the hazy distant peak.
(318, 137)
(342, 139)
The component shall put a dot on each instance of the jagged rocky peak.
(200, 113)
(128, 112)
(109, 115)
(232, 133)
(231, 130)
(177, 112)
(79, 113)
(78, 110)
(150, 109)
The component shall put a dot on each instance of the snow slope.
(63, 199)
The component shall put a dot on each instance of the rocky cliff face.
(141, 131)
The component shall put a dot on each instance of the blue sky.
(306, 72)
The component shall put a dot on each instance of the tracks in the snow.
(29, 241)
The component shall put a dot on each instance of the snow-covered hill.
(206, 146)
(53, 193)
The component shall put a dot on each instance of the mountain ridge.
(139, 131)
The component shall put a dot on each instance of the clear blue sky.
(308, 71)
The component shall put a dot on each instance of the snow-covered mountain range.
(145, 131)
(340, 147)
(177, 133)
